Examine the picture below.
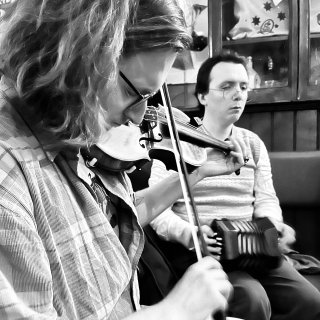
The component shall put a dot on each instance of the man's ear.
(202, 98)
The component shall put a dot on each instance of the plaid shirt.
(59, 256)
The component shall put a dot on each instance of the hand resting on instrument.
(287, 235)
(214, 244)
(225, 164)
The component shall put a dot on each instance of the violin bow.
(191, 208)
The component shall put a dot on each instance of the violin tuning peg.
(92, 162)
(198, 121)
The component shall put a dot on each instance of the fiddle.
(129, 146)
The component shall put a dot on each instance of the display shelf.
(257, 40)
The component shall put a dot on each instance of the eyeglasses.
(230, 91)
(141, 97)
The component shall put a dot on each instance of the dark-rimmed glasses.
(141, 97)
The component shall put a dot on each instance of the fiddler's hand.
(203, 290)
(221, 164)
(287, 235)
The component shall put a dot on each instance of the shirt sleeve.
(25, 276)
(26, 289)
(168, 225)
(266, 201)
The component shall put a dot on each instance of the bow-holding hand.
(203, 290)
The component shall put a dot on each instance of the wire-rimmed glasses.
(229, 92)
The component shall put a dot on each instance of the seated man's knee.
(250, 300)
(310, 298)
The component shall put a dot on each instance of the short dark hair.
(203, 77)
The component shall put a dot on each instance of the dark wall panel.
(283, 131)
(295, 130)
(306, 134)
(260, 123)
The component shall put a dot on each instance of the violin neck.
(203, 140)
(186, 131)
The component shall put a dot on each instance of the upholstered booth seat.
(296, 177)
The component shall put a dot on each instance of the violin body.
(193, 155)
(120, 150)
(126, 148)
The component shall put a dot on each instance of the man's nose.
(237, 95)
(136, 113)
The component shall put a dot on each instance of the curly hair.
(60, 53)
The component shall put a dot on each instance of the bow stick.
(185, 184)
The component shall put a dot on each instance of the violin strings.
(192, 129)
(183, 124)
(189, 129)
(162, 114)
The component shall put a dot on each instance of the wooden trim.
(272, 131)
(215, 27)
(294, 128)
(304, 49)
(274, 107)
(210, 27)
(294, 42)
(318, 130)
(258, 40)
(284, 106)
